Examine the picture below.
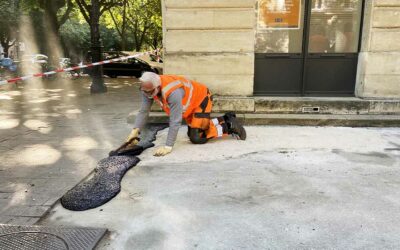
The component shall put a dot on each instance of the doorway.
(307, 47)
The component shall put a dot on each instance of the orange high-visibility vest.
(194, 93)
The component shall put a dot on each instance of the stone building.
(288, 56)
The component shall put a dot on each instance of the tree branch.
(84, 8)
(83, 2)
(65, 17)
(115, 23)
(107, 6)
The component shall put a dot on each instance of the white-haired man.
(181, 99)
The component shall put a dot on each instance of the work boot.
(234, 127)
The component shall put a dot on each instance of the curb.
(298, 119)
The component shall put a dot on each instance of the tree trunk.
(97, 85)
(6, 48)
(123, 45)
(52, 44)
(5, 43)
(155, 40)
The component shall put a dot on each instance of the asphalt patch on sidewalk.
(105, 184)
(39, 238)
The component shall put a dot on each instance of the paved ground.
(52, 133)
(285, 187)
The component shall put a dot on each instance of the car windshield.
(140, 60)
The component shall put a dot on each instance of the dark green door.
(316, 55)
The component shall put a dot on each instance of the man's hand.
(132, 135)
(162, 151)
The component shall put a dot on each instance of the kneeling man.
(182, 98)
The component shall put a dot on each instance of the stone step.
(307, 105)
(323, 120)
(300, 119)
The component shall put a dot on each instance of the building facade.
(318, 48)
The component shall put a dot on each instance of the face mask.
(150, 93)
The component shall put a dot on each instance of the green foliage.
(109, 38)
(76, 37)
(143, 22)
(28, 5)
(145, 19)
(9, 13)
(124, 24)
(155, 34)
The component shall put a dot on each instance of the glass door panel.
(307, 47)
(334, 26)
(279, 47)
(280, 26)
(333, 41)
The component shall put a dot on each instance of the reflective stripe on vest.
(171, 85)
(189, 85)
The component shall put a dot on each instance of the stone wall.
(211, 41)
(379, 65)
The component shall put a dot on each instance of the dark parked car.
(131, 67)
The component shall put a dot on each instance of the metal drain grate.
(39, 238)
(310, 110)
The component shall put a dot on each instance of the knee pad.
(197, 136)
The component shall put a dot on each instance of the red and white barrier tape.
(23, 78)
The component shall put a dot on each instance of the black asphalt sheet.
(105, 183)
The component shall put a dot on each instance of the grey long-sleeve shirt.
(175, 118)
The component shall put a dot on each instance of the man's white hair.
(151, 77)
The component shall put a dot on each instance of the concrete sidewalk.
(283, 188)
(52, 134)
